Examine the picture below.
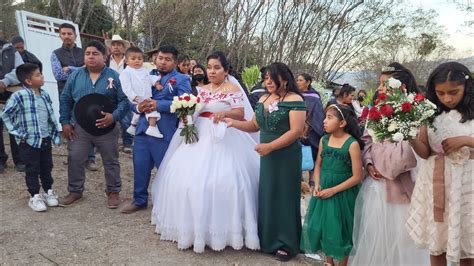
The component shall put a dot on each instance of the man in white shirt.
(116, 61)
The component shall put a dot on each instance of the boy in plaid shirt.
(29, 116)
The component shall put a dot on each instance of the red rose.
(419, 98)
(187, 98)
(198, 100)
(374, 114)
(382, 96)
(180, 98)
(386, 110)
(406, 107)
(172, 81)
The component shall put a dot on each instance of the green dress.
(279, 217)
(328, 223)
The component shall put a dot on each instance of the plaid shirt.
(21, 119)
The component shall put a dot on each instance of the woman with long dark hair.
(199, 78)
(280, 117)
(210, 200)
(315, 114)
(386, 194)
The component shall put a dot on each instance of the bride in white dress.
(205, 193)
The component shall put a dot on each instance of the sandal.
(282, 255)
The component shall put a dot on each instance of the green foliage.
(368, 99)
(99, 21)
(321, 88)
(251, 76)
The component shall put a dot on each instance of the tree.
(417, 43)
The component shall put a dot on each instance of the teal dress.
(328, 223)
(279, 217)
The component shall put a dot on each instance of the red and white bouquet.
(397, 116)
(185, 106)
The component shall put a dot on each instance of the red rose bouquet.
(397, 116)
(184, 106)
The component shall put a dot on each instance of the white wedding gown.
(205, 193)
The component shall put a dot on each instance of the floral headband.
(338, 109)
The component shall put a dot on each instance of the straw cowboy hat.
(117, 38)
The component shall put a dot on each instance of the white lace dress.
(205, 193)
(455, 235)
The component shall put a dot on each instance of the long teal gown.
(279, 217)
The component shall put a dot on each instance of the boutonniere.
(273, 107)
(171, 82)
(111, 83)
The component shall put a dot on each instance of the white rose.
(392, 127)
(178, 105)
(410, 98)
(397, 137)
(175, 98)
(394, 83)
(185, 104)
(198, 107)
(172, 108)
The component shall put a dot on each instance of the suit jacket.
(168, 121)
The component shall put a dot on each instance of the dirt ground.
(90, 233)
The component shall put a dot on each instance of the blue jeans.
(127, 139)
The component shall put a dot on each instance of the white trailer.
(41, 35)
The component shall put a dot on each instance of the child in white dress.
(441, 216)
(136, 84)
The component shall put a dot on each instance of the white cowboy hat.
(117, 38)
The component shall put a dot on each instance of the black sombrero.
(88, 109)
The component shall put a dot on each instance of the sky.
(452, 19)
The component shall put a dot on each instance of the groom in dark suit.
(148, 152)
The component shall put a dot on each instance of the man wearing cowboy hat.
(116, 61)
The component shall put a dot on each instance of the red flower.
(187, 98)
(374, 114)
(172, 81)
(386, 110)
(180, 98)
(406, 107)
(419, 98)
(198, 100)
(382, 96)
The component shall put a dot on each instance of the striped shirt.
(21, 118)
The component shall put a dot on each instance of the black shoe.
(2, 168)
(20, 167)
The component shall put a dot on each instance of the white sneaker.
(154, 132)
(37, 204)
(131, 130)
(50, 198)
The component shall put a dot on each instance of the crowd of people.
(373, 202)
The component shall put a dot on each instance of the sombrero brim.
(126, 43)
(88, 110)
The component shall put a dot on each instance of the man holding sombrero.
(91, 103)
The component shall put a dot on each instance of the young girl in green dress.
(337, 175)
